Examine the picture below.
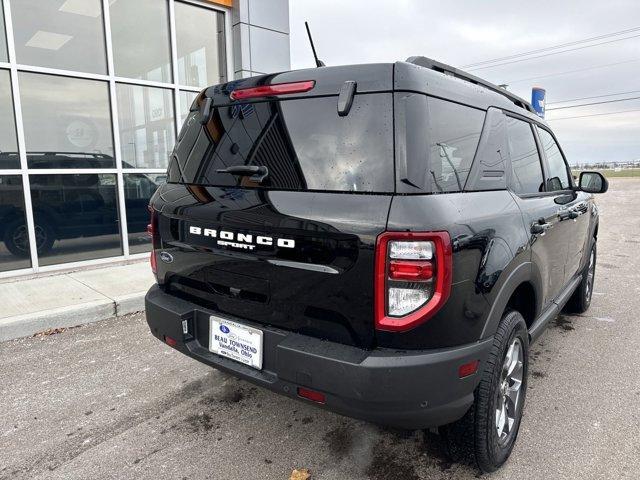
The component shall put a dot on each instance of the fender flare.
(521, 274)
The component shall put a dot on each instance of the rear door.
(539, 208)
(295, 250)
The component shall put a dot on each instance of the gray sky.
(461, 32)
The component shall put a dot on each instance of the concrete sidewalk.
(74, 298)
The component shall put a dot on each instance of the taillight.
(152, 230)
(272, 90)
(412, 278)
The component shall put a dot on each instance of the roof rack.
(457, 73)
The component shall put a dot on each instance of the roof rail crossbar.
(455, 72)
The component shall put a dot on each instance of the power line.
(558, 74)
(592, 115)
(553, 47)
(553, 53)
(594, 103)
(594, 96)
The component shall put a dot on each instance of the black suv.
(383, 240)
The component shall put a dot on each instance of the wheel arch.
(521, 291)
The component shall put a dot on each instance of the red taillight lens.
(412, 279)
(272, 90)
(312, 395)
(410, 271)
(152, 230)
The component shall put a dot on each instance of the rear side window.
(304, 144)
(454, 133)
(558, 178)
(527, 169)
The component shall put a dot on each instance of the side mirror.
(593, 182)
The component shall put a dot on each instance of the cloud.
(467, 31)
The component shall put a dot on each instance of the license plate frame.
(236, 341)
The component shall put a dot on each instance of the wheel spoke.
(514, 358)
(501, 419)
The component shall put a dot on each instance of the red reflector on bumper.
(172, 342)
(311, 395)
(468, 369)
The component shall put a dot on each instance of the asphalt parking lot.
(110, 401)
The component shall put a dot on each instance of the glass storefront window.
(138, 188)
(4, 56)
(186, 100)
(14, 249)
(140, 38)
(8, 143)
(75, 216)
(200, 43)
(67, 122)
(65, 34)
(146, 122)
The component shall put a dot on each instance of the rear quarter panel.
(489, 243)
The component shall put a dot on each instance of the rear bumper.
(405, 389)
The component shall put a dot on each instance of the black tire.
(16, 238)
(475, 438)
(580, 301)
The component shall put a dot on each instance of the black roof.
(417, 74)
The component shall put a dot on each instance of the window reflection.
(303, 143)
(67, 122)
(186, 100)
(138, 189)
(76, 217)
(14, 249)
(8, 143)
(4, 56)
(140, 38)
(201, 48)
(146, 122)
(64, 34)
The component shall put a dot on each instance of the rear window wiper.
(258, 172)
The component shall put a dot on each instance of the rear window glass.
(303, 143)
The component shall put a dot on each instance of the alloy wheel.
(509, 397)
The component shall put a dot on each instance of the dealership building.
(92, 95)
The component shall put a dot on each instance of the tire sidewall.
(495, 454)
(586, 298)
(17, 252)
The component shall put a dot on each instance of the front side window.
(527, 169)
(558, 178)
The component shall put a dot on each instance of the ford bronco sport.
(382, 240)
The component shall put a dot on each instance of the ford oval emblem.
(166, 257)
(224, 329)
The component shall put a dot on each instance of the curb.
(29, 324)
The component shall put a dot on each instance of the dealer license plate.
(236, 341)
